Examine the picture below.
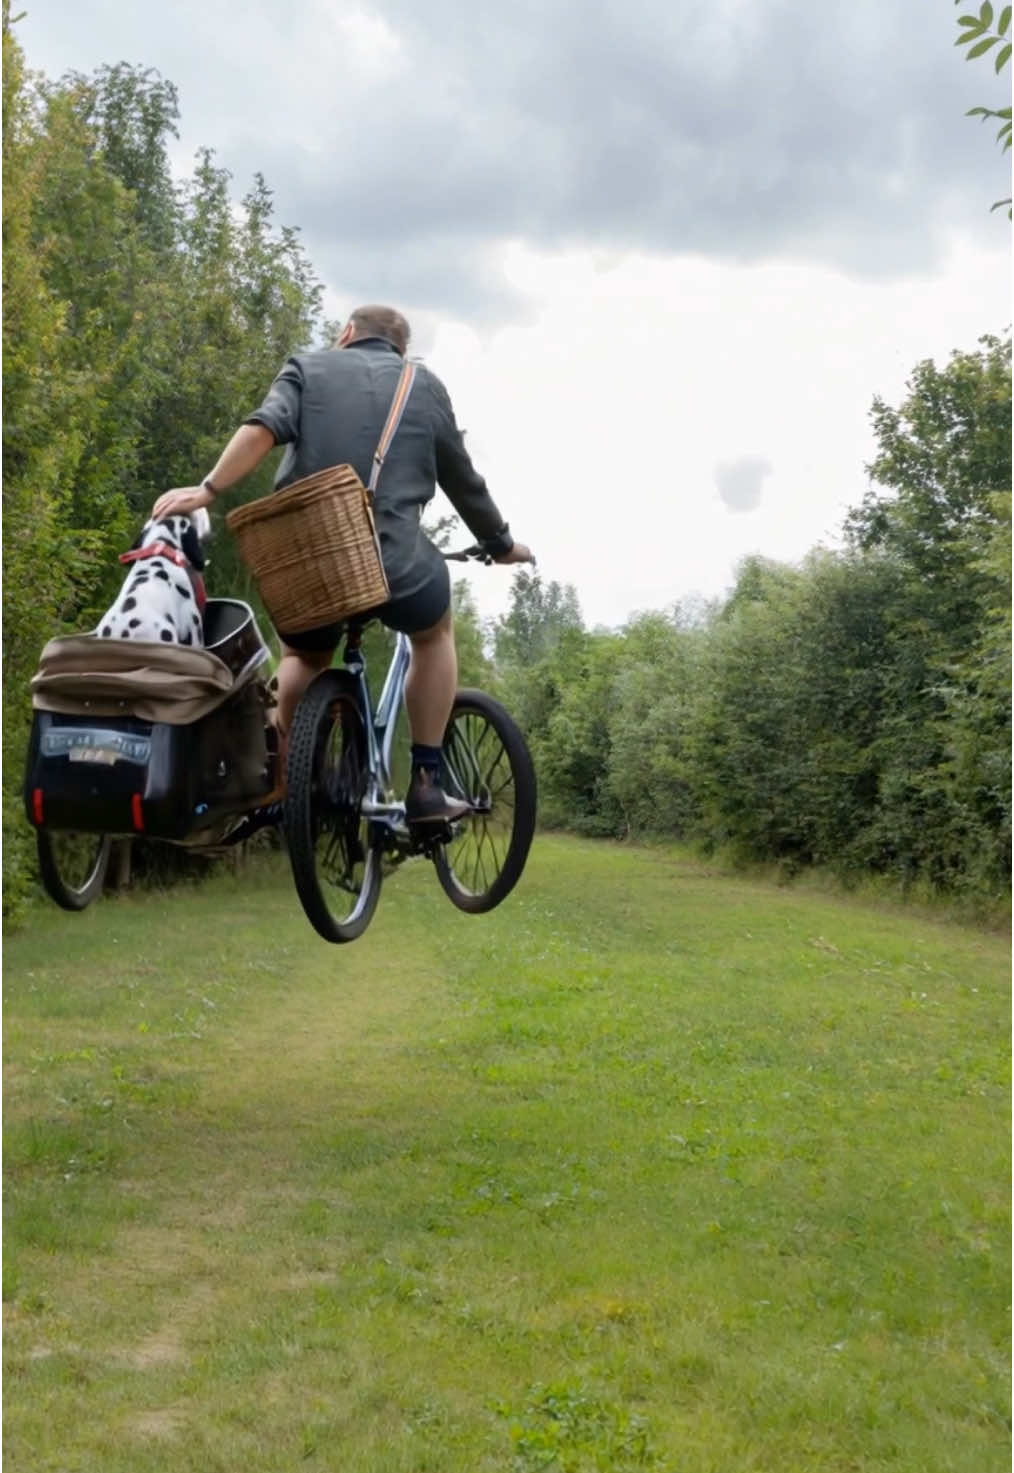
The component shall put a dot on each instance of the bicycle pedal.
(432, 839)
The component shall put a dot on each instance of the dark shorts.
(409, 615)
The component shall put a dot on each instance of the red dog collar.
(166, 550)
(155, 549)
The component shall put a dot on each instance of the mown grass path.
(648, 1169)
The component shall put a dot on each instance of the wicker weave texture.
(312, 550)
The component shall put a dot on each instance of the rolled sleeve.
(279, 412)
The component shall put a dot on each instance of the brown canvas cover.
(83, 675)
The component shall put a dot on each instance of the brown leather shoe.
(426, 801)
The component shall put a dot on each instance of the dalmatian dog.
(162, 597)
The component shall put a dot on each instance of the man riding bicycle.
(328, 408)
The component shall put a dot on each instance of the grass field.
(650, 1169)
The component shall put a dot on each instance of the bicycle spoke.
(493, 762)
(482, 859)
(508, 782)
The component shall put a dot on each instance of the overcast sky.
(663, 255)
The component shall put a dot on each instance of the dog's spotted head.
(183, 533)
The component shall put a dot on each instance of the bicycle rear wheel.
(72, 866)
(487, 763)
(335, 856)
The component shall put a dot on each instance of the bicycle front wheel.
(72, 866)
(334, 855)
(487, 763)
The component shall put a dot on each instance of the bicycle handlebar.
(475, 553)
(467, 554)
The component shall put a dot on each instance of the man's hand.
(519, 553)
(181, 501)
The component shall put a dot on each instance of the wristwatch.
(208, 485)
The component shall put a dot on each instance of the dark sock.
(428, 758)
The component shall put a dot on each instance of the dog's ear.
(139, 539)
(191, 545)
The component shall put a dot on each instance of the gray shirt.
(329, 408)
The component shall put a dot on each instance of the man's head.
(376, 322)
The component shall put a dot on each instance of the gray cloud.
(832, 134)
(741, 482)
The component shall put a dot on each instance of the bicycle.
(341, 822)
(207, 784)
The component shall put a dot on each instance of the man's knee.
(311, 659)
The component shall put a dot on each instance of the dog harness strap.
(163, 549)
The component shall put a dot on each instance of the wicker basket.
(313, 550)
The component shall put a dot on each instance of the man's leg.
(295, 671)
(431, 682)
(429, 695)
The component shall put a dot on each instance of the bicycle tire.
(482, 773)
(333, 851)
(53, 867)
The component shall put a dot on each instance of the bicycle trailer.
(130, 737)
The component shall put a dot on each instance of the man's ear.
(191, 545)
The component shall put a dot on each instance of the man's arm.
(243, 454)
(460, 481)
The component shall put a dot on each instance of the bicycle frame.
(380, 724)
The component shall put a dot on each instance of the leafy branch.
(980, 36)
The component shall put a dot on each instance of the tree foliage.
(143, 318)
(981, 33)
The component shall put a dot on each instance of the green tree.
(942, 456)
(939, 514)
(525, 640)
(131, 111)
(571, 746)
(538, 616)
(142, 322)
(46, 559)
(653, 709)
(981, 33)
(746, 746)
(474, 668)
(97, 261)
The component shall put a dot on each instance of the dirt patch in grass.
(162, 1425)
